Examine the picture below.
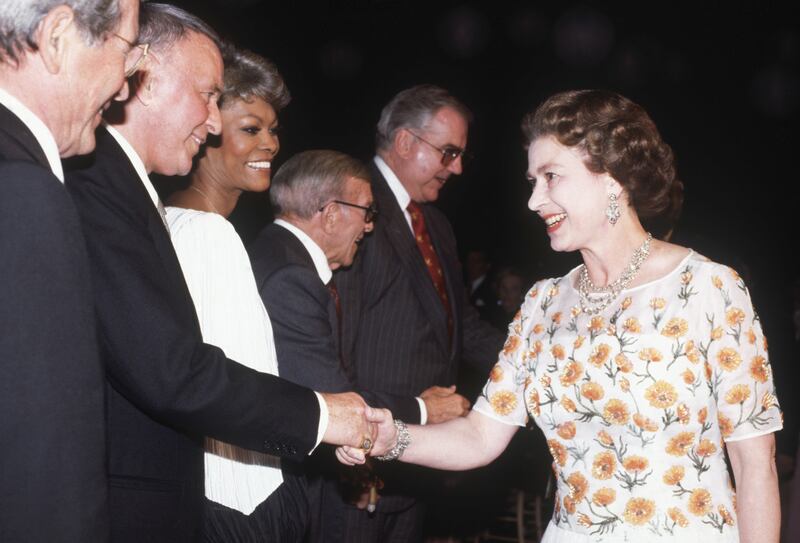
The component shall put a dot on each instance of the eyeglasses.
(449, 153)
(370, 212)
(135, 55)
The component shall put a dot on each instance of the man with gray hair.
(61, 63)
(323, 204)
(407, 323)
(167, 389)
(324, 207)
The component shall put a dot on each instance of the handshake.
(357, 428)
(360, 430)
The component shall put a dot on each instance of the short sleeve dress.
(638, 401)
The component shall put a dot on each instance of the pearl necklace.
(204, 195)
(594, 299)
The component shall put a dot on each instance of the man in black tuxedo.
(166, 389)
(406, 320)
(325, 208)
(60, 64)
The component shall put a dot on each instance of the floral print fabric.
(637, 402)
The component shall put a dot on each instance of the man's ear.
(143, 83)
(330, 217)
(402, 142)
(55, 36)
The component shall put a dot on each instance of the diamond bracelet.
(403, 441)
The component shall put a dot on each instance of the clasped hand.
(361, 429)
(385, 438)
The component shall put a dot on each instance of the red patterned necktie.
(425, 246)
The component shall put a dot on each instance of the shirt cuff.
(323, 421)
(423, 412)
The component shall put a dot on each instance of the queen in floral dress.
(638, 401)
(640, 384)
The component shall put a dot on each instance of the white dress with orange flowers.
(637, 402)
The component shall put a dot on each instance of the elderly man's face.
(95, 77)
(187, 81)
(351, 226)
(423, 173)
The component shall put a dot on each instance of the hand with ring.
(366, 444)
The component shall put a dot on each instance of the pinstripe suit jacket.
(394, 325)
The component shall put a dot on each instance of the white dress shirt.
(138, 165)
(314, 251)
(397, 188)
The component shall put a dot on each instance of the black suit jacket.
(304, 321)
(306, 330)
(166, 389)
(394, 324)
(52, 455)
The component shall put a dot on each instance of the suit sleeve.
(298, 306)
(52, 464)
(155, 357)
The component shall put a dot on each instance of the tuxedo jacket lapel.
(402, 241)
(299, 255)
(128, 181)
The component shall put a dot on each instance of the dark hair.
(19, 20)
(413, 108)
(249, 76)
(163, 25)
(311, 179)
(617, 137)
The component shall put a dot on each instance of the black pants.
(283, 517)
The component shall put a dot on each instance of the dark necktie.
(335, 295)
(425, 246)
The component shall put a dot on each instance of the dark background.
(722, 84)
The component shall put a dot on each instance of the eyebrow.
(547, 165)
(261, 120)
(540, 169)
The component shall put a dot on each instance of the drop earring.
(612, 211)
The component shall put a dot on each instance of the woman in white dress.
(641, 366)
(229, 308)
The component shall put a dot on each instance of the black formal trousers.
(52, 429)
(166, 389)
(306, 330)
(395, 326)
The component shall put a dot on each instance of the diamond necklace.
(594, 299)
